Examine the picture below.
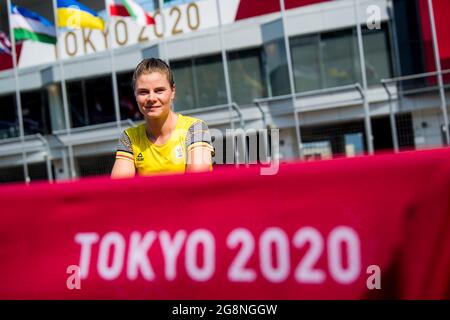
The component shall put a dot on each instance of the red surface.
(253, 8)
(118, 10)
(6, 59)
(441, 9)
(398, 206)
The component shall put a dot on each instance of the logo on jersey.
(140, 157)
(178, 152)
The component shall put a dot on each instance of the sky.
(148, 4)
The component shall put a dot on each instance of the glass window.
(317, 150)
(306, 63)
(332, 59)
(275, 62)
(200, 82)
(34, 110)
(246, 77)
(99, 97)
(339, 58)
(8, 120)
(377, 55)
(185, 85)
(34, 114)
(354, 143)
(78, 108)
(127, 101)
(210, 81)
(91, 101)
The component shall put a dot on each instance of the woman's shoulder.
(188, 121)
(135, 131)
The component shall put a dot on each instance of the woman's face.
(154, 95)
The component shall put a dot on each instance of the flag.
(5, 45)
(28, 25)
(138, 13)
(72, 14)
(116, 9)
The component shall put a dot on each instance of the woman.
(167, 142)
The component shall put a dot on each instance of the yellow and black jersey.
(149, 158)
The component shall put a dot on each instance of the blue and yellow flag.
(72, 14)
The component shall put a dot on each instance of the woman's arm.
(124, 165)
(199, 159)
(123, 169)
(199, 148)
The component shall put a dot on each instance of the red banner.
(368, 227)
(253, 8)
(440, 9)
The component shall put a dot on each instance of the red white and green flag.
(138, 13)
(129, 8)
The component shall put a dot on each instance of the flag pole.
(437, 61)
(18, 98)
(227, 81)
(113, 67)
(362, 63)
(225, 61)
(291, 79)
(165, 55)
(64, 92)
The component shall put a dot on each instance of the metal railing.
(356, 86)
(318, 92)
(26, 139)
(18, 140)
(47, 157)
(232, 105)
(415, 76)
(400, 92)
(73, 131)
(94, 127)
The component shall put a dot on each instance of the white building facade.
(238, 64)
